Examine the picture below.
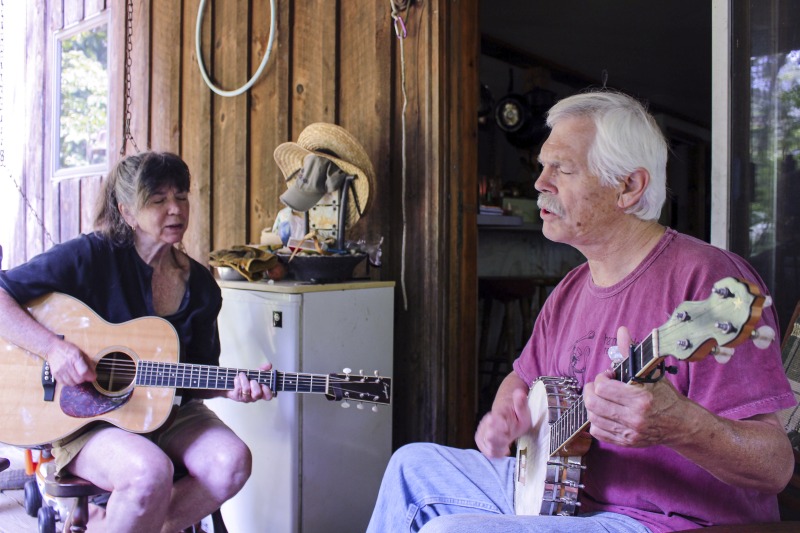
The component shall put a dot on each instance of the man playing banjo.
(697, 446)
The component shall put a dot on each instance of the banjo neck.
(568, 427)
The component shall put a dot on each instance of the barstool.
(521, 299)
(54, 489)
(55, 504)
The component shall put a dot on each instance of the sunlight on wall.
(12, 116)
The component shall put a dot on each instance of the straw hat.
(335, 144)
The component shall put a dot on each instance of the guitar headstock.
(347, 387)
(724, 319)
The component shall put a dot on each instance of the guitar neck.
(575, 419)
(188, 376)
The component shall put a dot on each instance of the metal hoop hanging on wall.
(199, 52)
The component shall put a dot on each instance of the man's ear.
(632, 188)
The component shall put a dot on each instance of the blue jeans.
(435, 489)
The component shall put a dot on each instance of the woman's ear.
(127, 216)
(632, 188)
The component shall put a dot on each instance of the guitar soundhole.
(115, 372)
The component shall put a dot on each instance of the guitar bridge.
(48, 383)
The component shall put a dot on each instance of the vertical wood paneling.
(116, 74)
(69, 208)
(90, 188)
(56, 13)
(364, 103)
(314, 57)
(165, 109)
(50, 189)
(93, 7)
(231, 70)
(461, 82)
(419, 329)
(269, 114)
(73, 12)
(140, 76)
(35, 210)
(196, 129)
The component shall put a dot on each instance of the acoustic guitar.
(549, 456)
(137, 376)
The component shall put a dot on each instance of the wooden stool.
(65, 486)
(521, 300)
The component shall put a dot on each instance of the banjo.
(549, 457)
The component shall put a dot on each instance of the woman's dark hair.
(132, 181)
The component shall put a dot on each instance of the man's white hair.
(627, 138)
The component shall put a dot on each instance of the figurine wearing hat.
(326, 159)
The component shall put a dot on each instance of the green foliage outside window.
(83, 122)
(775, 147)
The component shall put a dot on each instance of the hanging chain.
(5, 170)
(126, 127)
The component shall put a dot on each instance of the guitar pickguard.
(84, 401)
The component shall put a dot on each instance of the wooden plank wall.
(333, 61)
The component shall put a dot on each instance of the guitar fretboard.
(575, 419)
(187, 376)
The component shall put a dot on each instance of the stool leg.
(30, 466)
(78, 519)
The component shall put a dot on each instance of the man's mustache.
(548, 202)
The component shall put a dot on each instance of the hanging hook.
(397, 30)
(399, 25)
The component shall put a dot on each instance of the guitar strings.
(115, 370)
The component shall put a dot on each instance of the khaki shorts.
(190, 413)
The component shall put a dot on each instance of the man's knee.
(227, 469)
(413, 454)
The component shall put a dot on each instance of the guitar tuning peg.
(345, 404)
(722, 354)
(347, 370)
(767, 302)
(360, 406)
(763, 337)
(376, 374)
(374, 408)
(361, 372)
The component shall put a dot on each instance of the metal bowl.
(229, 274)
(322, 268)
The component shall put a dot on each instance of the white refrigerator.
(317, 464)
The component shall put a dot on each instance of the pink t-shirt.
(571, 337)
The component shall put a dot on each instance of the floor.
(13, 518)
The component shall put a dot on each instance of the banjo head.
(546, 484)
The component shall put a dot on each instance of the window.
(80, 98)
(765, 144)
